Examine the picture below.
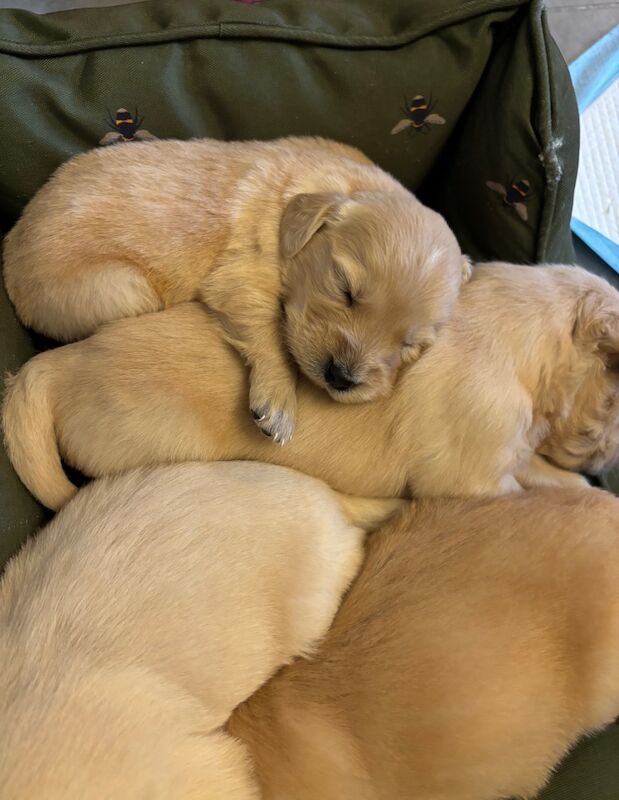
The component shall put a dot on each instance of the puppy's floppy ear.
(304, 216)
(597, 324)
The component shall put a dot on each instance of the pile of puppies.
(289, 302)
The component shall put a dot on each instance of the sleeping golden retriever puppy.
(526, 368)
(365, 273)
(135, 622)
(479, 642)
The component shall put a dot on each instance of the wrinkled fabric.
(351, 71)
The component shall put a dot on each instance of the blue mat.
(594, 73)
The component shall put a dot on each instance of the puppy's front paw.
(275, 416)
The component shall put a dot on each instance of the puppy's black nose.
(336, 377)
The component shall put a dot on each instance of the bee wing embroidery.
(497, 187)
(435, 119)
(521, 210)
(110, 138)
(146, 135)
(401, 126)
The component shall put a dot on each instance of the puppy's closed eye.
(347, 293)
(612, 362)
(349, 297)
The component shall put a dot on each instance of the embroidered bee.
(515, 195)
(125, 128)
(418, 116)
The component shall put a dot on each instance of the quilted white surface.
(597, 187)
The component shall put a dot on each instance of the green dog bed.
(469, 103)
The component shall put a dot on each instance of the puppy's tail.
(29, 435)
(369, 513)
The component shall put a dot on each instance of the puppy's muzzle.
(338, 376)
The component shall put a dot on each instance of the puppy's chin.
(311, 347)
(563, 460)
(373, 389)
(584, 457)
(364, 393)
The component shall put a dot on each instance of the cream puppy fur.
(364, 271)
(135, 622)
(479, 642)
(526, 367)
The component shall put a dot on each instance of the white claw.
(263, 417)
(276, 437)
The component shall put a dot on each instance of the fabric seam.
(232, 28)
(544, 125)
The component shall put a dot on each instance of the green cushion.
(590, 772)
(226, 69)
(20, 514)
(339, 69)
(611, 481)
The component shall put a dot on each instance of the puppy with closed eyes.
(150, 607)
(520, 389)
(478, 644)
(364, 272)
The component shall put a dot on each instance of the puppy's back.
(478, 643)
(211, 575)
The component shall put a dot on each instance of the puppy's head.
(369, 278)
(586, 437)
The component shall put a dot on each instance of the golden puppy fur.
(365, 272)
(526, 366)
(479, 642)
(148, 609)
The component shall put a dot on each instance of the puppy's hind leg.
(74, 306)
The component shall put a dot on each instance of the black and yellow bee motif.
(125, 128)
(515, 195)
(418, 116)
